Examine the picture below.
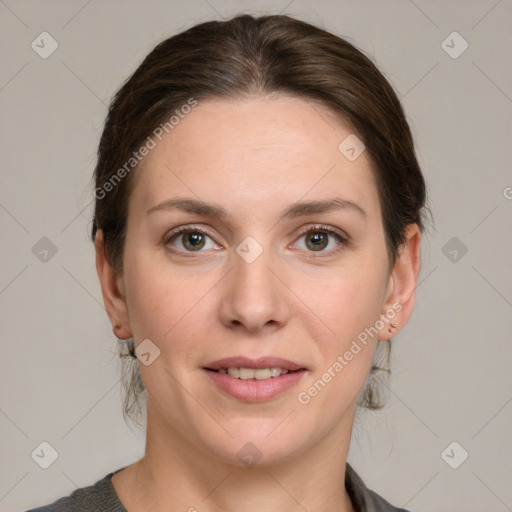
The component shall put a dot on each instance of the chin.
(260, 444)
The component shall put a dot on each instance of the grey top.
(102, 497)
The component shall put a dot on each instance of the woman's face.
(254, 242)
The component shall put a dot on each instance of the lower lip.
(255, 390)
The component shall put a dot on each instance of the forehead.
(261, 150)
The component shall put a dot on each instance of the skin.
(254, 158)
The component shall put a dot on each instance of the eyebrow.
(190, 206)
(321, 206)
(295, 210)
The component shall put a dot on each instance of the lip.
(261, 362)
(255, 390)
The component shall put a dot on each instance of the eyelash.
(320, 228)
(185, 229)
(311, 229)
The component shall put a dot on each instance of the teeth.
(254, 373)
(246, 373)
(262, 373)
(234, 372)
(275, 372)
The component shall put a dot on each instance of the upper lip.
(261, 362)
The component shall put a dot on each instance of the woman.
(259, 209)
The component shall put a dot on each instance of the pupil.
(194, 241)
(317, 241)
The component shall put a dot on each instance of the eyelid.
(343, 238)
(173, 233)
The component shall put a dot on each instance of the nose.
(253, 296)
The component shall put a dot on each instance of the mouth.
(253, 373)
(255, 380)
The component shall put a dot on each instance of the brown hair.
(247, 56)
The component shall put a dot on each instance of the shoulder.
(99, 497)
(364, 499)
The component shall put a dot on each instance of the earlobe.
(403, 281)
(111, 289)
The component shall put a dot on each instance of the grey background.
(451, 365)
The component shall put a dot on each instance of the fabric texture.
(102, 497)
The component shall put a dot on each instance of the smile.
(254, 380)
(252, 373)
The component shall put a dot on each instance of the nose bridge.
(253, 296)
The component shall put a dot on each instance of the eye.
(191, 240)
(320, 239)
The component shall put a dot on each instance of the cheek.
(345, 346)
(346, 301)
(169, 307)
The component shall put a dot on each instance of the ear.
(402, 284)
(112, 289)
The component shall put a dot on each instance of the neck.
(174, 474)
